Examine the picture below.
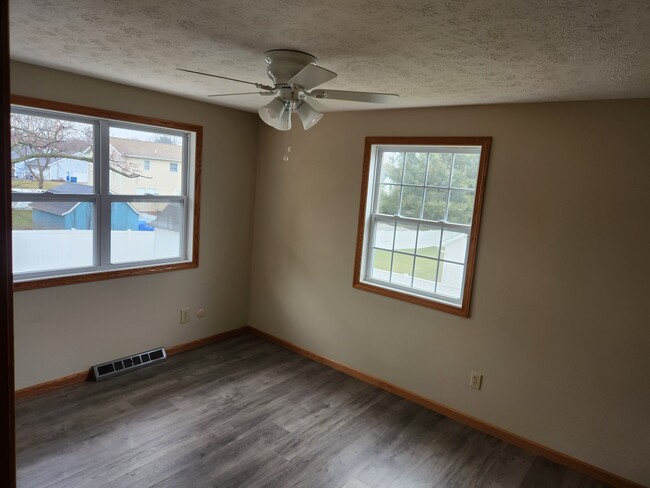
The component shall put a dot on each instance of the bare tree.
(40, 142)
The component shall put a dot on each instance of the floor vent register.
(129, 363)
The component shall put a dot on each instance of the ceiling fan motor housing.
(284, 64)
(294, 75)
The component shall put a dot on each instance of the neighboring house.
(74, 170)
(159, 165)
(20, 170)
(79, 215)
(65, 169)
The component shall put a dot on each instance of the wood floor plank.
(405, 450)
(245, 413)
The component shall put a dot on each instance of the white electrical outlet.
(200, 312)
(185, 315)
(475, 380)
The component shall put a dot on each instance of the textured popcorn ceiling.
(432, 53)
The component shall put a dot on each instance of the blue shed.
(79, 215)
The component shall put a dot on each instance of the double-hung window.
(93, 197)
(419, 219)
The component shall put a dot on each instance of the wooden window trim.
(137, 119)
(357, 282)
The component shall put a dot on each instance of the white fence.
(454, 244)
(454, 248)
(449, 284)
(44, 250)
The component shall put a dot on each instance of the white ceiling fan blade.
(317, 105)
(258, 85)
(311, 76)
(231, 94)
(353, 96)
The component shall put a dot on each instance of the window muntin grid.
(420, 219)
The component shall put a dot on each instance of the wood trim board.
(138, 119)
(222, 336)
(7, 418)
(484, 143)
(517, 440)
(39, 389)
(493, 430)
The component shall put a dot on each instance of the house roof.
(170, 218)
(63, 208)
(56, 208)
(72, 188)
(147, 149)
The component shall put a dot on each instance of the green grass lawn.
(33, 184)
(425, 268)
(21, 219)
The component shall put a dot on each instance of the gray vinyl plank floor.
(246, 413)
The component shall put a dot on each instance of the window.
(82, 210)
(173, 167)
(420, 213)
(147, 165)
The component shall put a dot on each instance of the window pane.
(435, 204)
(422, 215)
(405, 237)
(429, 240)
(130, 150)
(454, 246)
(439, 169)
(450, 279)
(411, 202)
(384, 234)
(47, 152)
(381, 264)
(416, 168)
(52, 235)
(461, 206)
(425, 274)
(465, 171)
(402, 269)
(391, 167)
(388, 199)
(143, 231)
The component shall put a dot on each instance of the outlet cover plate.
(475, 380)
(185, 315)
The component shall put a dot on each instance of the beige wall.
(559, 324)
(64, 330)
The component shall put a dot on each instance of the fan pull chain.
(286, 154)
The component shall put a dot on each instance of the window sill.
(462, 311)
(101, 276)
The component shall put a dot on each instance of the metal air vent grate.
(129, 363)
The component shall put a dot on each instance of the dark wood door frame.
(7, 423)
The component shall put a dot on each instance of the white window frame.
(102, 199)
(370, 217)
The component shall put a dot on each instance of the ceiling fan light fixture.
(271, 112)
(295, 74)
(284, 121)
(308, 115)
(276, 113)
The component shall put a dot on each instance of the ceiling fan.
(295, 74)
